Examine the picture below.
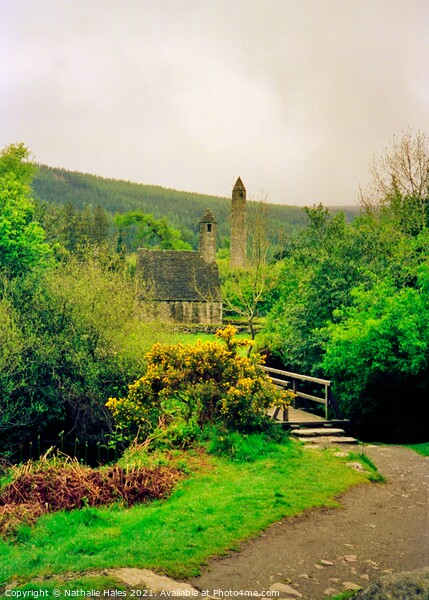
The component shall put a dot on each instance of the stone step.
(317, 432)
(325, 440)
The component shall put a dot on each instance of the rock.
(399, 586)
(152, 581)
(317, 432)
(372, 564)
(350, 558)
(327, 440)
(285, 589)
(356, 466)
(349, 585)
(326, 563)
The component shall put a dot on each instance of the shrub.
(205, 383)
(378, 356)
(70, 336)
(50, 485)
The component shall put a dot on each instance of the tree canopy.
(22, 239)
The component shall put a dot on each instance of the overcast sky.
(295, 96)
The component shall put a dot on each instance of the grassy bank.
(422, 449)
(219, 505)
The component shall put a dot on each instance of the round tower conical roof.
(239, 185)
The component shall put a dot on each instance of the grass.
(76, 585)
(179, 337)
(343, 596)
(193, 338)
(374, 474)
(219, 505)
(422, 449)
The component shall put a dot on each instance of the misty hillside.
(182, 210)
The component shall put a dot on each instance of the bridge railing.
(294, 382)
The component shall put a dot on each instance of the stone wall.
(205, 313)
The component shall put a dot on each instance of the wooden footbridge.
(313, 405)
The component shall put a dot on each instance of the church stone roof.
(178, 275)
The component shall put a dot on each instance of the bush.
(205, 383)
(378, 356)
(71, 336)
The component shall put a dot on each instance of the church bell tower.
(207, 245)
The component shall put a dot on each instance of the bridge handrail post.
(328, 401)
(295, 389)
(334, 404)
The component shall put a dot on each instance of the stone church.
(181, 286)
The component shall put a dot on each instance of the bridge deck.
(299, 417)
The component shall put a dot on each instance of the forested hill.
(182, 210)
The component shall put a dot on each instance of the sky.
(296, 97)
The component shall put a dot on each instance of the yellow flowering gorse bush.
(207, 382)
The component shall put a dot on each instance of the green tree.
(73, 230)
(16, 159)
(69, 233)
(22, 239)
(84, 226)
(100, 225)
(378, 356)
(316, 277)
(146, 231)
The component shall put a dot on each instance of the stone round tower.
(238, 225)
(207, 245)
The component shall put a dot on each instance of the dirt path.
(381, 528)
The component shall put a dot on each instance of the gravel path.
(381, 528)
